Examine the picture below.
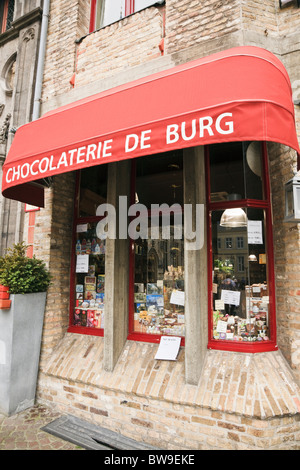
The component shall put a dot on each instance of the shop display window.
(159, 286)
(157, 303)
(241, 278)
(87, 309)
(240, 275)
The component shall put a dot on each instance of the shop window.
(87, 306)
(242, 308)
(105, 12)
(6, 14)
(157, 255)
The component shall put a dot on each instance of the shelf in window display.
(91, 317)
(235, 328)
(157, 319)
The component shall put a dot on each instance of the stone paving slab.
(23, 431)
(92, 437)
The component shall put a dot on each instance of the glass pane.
(109, 11)
(159, 282)
(236, 169)
(140, 4)
(93, 189)
(240, 284)
(253, 164)
(89, 277)
(159, 179)
(10, 13)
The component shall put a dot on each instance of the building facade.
(19, 45)
(127, 272)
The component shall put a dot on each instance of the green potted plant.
(21, 325)
(23, 275)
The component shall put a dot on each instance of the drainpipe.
(41, 60)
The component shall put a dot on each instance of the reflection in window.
(106, 12)
(140, 4)
(228, 242)
(93, 190)
(240, 242)
(236, 170)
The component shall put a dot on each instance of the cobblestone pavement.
(23, 431)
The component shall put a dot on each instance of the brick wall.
(260, 16)
(189, 23)
(68, 21)
(53, 232)
(288, 20)
(287, 257)
(238, 406)
(242, 401)
(127, 43)
(168, 425)
(134, 41)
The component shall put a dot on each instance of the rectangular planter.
(21, 328)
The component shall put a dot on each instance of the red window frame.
(264, 204)
(4, 16)
(78, 220)
(129, 9)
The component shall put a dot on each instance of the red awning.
(241, 94)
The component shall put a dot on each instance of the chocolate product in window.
(90, 294)
(83, 317)
(100, 283)
(97, 319)
(83, 246)
(90, 318)
(78, 247)
(77, 318)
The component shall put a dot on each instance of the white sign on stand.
(168, 348)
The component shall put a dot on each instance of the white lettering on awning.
(189, 130)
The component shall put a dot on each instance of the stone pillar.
(195, 268)
(116, 270)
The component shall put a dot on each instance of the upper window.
(6, 14)
(105, 12)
